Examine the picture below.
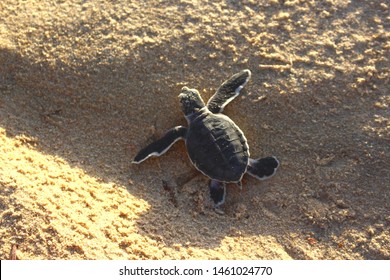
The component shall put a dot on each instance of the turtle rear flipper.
(217, 192)
(263, 168)
(228, 91)
(162, 145)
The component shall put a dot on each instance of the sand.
(85, 84)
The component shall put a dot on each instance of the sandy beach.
(84, 85)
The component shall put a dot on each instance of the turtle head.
(190, 100)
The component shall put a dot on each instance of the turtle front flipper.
(217, 192)
(162, 145)
(263, 168)
(228, 91)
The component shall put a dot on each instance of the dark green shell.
(217, 147)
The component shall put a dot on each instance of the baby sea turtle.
(216, 146)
